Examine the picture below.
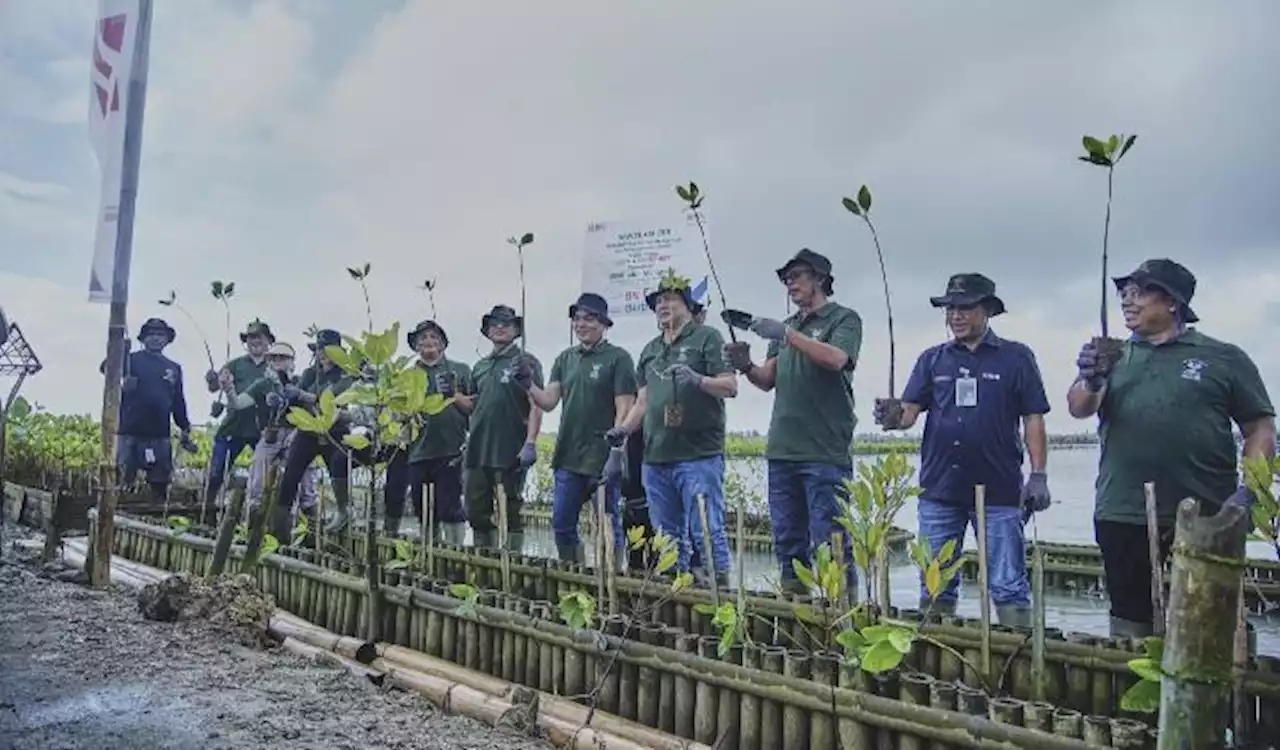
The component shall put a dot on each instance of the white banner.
(115, 37)
(624, 260)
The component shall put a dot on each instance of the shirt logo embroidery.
(815, 333)
(990, 376)
(506, 376)
(682, 354)
(595, 372)
(170, 376)
(1191, 369)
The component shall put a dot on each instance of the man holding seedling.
(596, 383)
(978, 389)
(1165, 407)
(809, 366)
(239, 429)
(304, 447)
(504, 429)
(683, 383)
(435, 458)
(151, 394)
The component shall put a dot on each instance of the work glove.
(187, 444)
(274, 400)
(880, 414)
(1242, 497)
(1092, 371)
(738, 355)
(768, 328)
(444, 385)
(291, 393)
(211, 379)
(613, 465)
(616, 437)
(522, 373)
(1035, 493)
(685, 375)
(129, 383)
(528, 456)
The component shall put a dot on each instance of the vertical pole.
(100, 571)
(1039, 675)
(984, 582)
(501, 494)
(708, 547)
(1157, 569)
(4, 428)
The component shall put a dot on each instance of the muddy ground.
(81, 668)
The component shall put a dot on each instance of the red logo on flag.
(111, 35)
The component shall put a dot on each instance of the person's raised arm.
(720, 381)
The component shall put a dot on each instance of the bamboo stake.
(503, 554)
(226, 534)
(1240, 702)
(984, 580)
(1039, 674)
(707, 554)
(1153, 552)
(597, 520)
(429, 529)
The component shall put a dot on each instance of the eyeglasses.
(1133, 292)
(796, 275)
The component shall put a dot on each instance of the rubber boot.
(573, 553)
(943, 607)
(1121, 628)
(484, 539)
(1014, 615)
(282, 525)
(515, 543)
(791, 586)
(391, 526)
(342, 516)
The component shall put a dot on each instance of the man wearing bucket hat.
(595, 382)
(504, 429)
(809, 366)
(435, 457)
(683, 382)
(150, 395)
(1165, 410)
(239, 429)
(304, 447)
(978, 390)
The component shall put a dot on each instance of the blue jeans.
(672, 490)
(1006, 553)
(572, 491)
(226, 449)
(803, 509)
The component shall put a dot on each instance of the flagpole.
(117, 341)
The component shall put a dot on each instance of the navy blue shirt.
(145, 410)
(967, 446)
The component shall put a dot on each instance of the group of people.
(654, 427)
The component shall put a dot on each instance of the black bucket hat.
(966, 289)
(157, 324)
(1168, 276)
(325, 337)
(500, 314)
(423, 327)
(594, 304)
(257, 327)
(816, 262)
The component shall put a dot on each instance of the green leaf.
(179, 524)
(229, 289)
(851, 206)
(463, 591)
(527, 239)
(901, 639)
(1113, 143)
(635, 537)
(367, 268)
(807, 614)
(355, 441)
(864, 199)
(303, 420)
(851, 640)
(668, 560)
(683, 192)
(1146, 669)
(216, 289)
(877, 633)
(705, 609)
(1094, 146)
(881, 657)
(404, 549)
(1128, 144)
(1143, 697)
(682, 581)
(355, 273)
(803, 573)
(269, 545)
(20, 408)
(577, 609)
(1155, 649)
(933, 579)
(398, 564)
(300, 531)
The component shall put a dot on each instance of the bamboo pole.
(504, 554)
(1039, 672)
(227, 532)
(708, 554)
(706, 700)
(1153, 553)
(984, 580)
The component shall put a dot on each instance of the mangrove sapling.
(429, 286)
(692, 196)
(1107, 154)
(860, 206)
(223, 291)
(520, 243)
(360, 274)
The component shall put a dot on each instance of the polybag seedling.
(520, 243)
(860, 206)
(1106, 154)
(693, 197)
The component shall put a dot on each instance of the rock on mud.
(230, 603)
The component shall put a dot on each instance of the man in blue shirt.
(978, 389)
(151, 393)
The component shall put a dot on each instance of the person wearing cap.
(985, 399)
(150, 395)
(323, 375)
(595, 382)
(504, 429)
(239, 429)
(435, 458)
(683, 382)
(809, 366)
(1165, 410)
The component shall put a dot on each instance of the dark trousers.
(226, 449)
(152, 455)
(1127, 566)
(410, 477)
(303, 449)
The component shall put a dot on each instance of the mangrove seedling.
(403, 555)
(360, 274)
(172, 301)
(692, 196)
(429, 286)
(520, 243)
(860, 206)
(223, 291)
(1260, 477)
(1107, 154)
(1144, 695)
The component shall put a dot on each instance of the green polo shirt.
(443, 434)
(701, 430)
(316, 381)
(589, 381)
(258, 390)
(813, 419)
(1166, 418)
(242, 423)
(500, 421)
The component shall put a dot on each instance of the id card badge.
(967, 391)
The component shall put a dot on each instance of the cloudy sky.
(286, 140)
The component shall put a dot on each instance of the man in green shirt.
(596, 383)
(239, 428)
(435, 457)
(809, 365)
(504, 429)
(1165, 411)
(683, 382)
